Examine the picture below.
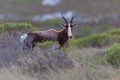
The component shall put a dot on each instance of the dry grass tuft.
(52, 63)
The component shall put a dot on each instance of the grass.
(14, 28)
(86, 53)
(12, 74)
(87, 69)
(112, 55)
(51, 22)
(45, 45)
(98, 40)
(84, 69)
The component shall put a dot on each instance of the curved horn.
(73, 14)
(72, 19)
(64, 19)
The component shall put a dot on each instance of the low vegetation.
(51, 22)
(112, 55)
(16, 27)
(95, 57)
(98, 40)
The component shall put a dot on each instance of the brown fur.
(62, 37)
(41, 36)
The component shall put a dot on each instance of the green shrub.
(51, 22)
(114, 32)
(15, 27)
(98, 40)
(1, 29)
(45, 45)
(86, 31)
(94, 40)
(112, 55)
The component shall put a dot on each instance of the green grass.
(45, 45)
(16, 27)
(112, 55)
(51, 22)
(98, 40)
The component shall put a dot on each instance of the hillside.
(87, 58)
(28, 10)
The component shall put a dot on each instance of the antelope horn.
(64, 19)
(72, 19)
(73, 14)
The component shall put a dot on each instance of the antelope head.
(69, 25)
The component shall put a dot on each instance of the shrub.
(86, 31)
(112, 55)
(51, 22)
(98, 40)
(14, 27)
(45, 45)
(114, 32)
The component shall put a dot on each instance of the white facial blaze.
(69, 30)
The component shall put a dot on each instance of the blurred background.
(93, 15)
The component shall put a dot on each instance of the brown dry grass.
(87, 63)
(83, 70)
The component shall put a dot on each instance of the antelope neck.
(62, 37)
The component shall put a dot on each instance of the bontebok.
(29, 40)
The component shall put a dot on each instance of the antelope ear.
(75, 25)
(62, 25)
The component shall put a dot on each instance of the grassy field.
(78, 62)
(86, 67)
